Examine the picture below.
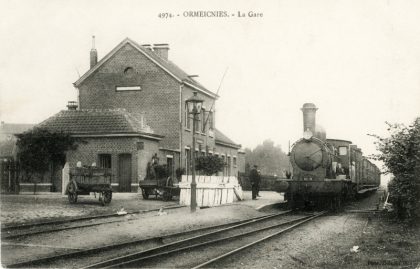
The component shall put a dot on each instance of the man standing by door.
(254, 178)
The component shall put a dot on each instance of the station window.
(228, 166)
(342, 151)
(234, 162)
(203, 121)
(187, 118)
(211, 120)
(104, 160)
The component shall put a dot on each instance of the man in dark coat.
(254, 178)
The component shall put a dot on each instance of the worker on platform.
(254, 178)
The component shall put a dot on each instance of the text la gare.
(251, 14)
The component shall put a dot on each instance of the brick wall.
(232, 152)
(144, 156)
(87, 153)
(204, 140)
(157, 101)
(241, 162)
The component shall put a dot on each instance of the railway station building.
(132, 105)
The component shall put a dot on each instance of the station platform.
(31, 208)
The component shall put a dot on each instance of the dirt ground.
(42, 207)
(36, 208)
(32, 208)
(323, 243)
(328, 242)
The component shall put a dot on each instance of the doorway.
(124, 172)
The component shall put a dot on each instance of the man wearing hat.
(254, 178)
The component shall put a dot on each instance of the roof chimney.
(72, 105)
(93, 54)
(161, 50)
(147, 46)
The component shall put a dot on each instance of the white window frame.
(127, 88)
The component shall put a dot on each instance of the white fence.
(211, 190)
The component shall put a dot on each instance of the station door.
(124, 172)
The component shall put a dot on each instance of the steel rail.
(136, 257)
(7, 227)
(79, 253)
(11, 236)
(258, 241)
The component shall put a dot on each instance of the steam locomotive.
(326, 172)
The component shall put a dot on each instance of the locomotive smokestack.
(309, 111)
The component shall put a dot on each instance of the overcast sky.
(358, 61)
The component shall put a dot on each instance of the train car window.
(342, 150)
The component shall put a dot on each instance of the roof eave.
(143, 135)
(236, 146)
(204, 91)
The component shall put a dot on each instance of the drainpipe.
(180, 126)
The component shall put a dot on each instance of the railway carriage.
(326, 172)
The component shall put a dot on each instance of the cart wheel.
(145, 193)
(106, 197)
(72, 194)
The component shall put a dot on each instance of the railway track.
(79, 258)
(203, 250)
(29, 229)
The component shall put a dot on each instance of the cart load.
(160, 188)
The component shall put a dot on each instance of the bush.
(161, 171)
(401, 155)
(209, 165)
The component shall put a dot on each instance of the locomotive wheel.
(145, 194)
(106, 197)
(72, 194)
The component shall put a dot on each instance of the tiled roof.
(96, 122)
(222, 138)
(14, 128)
(167, 65)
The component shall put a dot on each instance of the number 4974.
(165, 15)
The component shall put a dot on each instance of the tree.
(400, 153)
(269, 157)
(38, 149)
(209, 165)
